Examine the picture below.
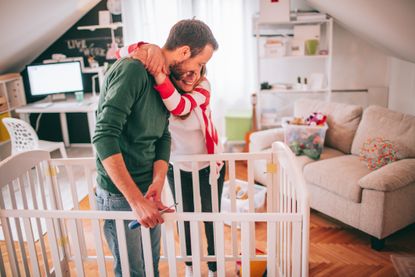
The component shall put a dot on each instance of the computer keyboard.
(42, 105)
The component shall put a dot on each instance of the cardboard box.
(274, 11)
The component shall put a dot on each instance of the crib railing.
(52, 238)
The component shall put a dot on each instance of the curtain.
(232, 69)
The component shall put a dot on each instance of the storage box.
(242, 201)
(274, 11)
(304, 139)
(237, 125)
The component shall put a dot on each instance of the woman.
(192, 132)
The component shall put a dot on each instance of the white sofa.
(378, 202)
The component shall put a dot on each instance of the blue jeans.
(107, 201)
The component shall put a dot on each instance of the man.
(133, 142)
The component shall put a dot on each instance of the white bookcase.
(282, 59)
(12, 96)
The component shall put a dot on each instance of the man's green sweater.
(131, 120)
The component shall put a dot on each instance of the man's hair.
(193, 33)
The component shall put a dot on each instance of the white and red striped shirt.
(178, 104)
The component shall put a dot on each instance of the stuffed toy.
(316, 119)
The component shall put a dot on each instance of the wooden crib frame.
(39, 215)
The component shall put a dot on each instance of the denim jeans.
(107, 201)
(206, 202)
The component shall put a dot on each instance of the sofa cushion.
(338, 175)
(394, 126)
(261, 165)
(342, 120)
(390, 177)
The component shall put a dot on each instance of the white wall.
(28, 27)
(356, 63)
(402, 86)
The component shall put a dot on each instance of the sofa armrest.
(390, 177)
(261, 140)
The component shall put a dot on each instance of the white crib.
(43, 236)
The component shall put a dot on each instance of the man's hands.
(147, 213)
(152, 58)
(145, 210)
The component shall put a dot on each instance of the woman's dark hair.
(193, 33)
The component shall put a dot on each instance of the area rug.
(404, 265)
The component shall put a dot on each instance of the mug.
(79, 96)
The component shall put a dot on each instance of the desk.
(70, 105)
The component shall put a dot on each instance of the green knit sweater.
(131, 120)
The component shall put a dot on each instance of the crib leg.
(377, 244)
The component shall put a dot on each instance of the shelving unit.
(113, 26)
(284, 67)
(12, 96)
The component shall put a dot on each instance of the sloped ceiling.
(389, 25)
(28, 27)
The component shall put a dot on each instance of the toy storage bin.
(304, 139)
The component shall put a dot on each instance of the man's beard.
(176, 70)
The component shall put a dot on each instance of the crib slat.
(40, 177)
(72, 186)
(289, 247)
(196, 247)
(232, 195)
(270, 190)
(28, 229)
(196, 187)
(2, 269)
(91, 191)
(96, 229)
(245, 247)
(57, 204)
(164, 240)
(271, 246)
(214, 187)
(286, 242)
(251, 197)
(32, 184)
(220, 248)
(5, 225)
(73, 233)
(122, 246)
(18, 226)
(50, 226)
(179, 199)
(171, 253)
(296, 257)
(147, 250)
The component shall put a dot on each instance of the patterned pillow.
(377, 152)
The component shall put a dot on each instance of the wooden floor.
(335, 249)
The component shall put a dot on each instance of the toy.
(316, 119)
(257, 268)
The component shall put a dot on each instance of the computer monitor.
(54, 78)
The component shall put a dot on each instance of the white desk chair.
(23, 138)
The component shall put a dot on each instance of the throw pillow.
(377, 152)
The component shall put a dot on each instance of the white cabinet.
(12, 96)
(294, 61)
